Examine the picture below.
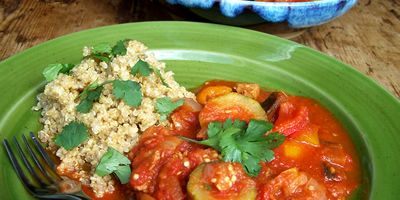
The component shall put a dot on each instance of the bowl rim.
(295, 14)
(258, 3)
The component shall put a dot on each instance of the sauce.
(336, 151)
(317, 160)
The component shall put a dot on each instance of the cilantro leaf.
(251, 164)
(129, 91)
(248, 145)
(89, 96)
(142, 68)
(235, 124)
(95, 94)
(165, 106)
(213, 129)
(158, 72)
(123, 173)
(52, 70)
(114, 162)
(72, 136)
(84, 106)
(85, 92)
(102, 48)
(119, 48)
(230, 150)
(66, 68)
(106, 53)
(215, 133)
(274, 139)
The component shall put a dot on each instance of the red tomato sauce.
(335, 146)
(317, 159)
(121, 192)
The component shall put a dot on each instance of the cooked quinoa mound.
(111, 122)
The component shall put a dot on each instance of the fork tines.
(28, 165)
(47, 181)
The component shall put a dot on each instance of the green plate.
(198, 52)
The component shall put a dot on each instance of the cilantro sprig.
(247, 146)
(72, 135)
(165, 106)
(129, 91)
(114, 162)
(144, 69)
(102, 51)
(106, 53)
(88, 96)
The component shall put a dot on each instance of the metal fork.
(45, 190)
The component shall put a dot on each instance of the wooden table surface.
(367, 37)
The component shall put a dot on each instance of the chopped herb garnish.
(119, 48)
(85, 92)
(72, 136)
(165, 106)
(102, 48)
(158, 72)
(114, 162)
(87, 103)
(106, 53)
(52, 70)
(129, 91)
(89, 95)
(144, 69)
(105, 50)
(248, 145)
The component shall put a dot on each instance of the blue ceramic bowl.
(245, 12)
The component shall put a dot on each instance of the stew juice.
(317, 159)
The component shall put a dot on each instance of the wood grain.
(367, 37)
(29, 22)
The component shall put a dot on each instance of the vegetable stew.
(303, 152)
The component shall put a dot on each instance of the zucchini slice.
(210, 181)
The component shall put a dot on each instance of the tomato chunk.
(161, 163)
(292, 184)
(290, 119)
(185, 123)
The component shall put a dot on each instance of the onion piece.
(192, 106)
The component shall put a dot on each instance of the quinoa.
(111, 122)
